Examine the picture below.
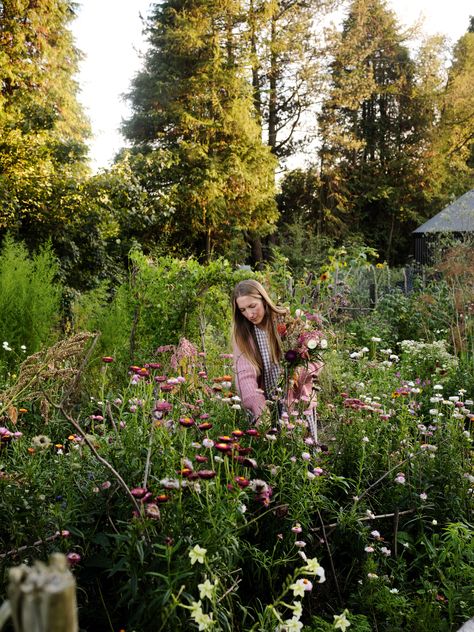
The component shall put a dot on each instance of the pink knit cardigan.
(251, 393)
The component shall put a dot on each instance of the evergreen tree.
(196, 140)
(375, 128)
(42, 128)
(286, 66)
(453, 146)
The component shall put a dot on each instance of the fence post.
(42, 598)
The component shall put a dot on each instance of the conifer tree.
(375, 129)
(193, 129)
(42, 127)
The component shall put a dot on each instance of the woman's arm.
(253, 398)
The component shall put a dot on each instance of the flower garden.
(123, 444)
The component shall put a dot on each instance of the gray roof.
(457, 217)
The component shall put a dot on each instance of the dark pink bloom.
(73, 558)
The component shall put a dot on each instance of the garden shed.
(455, 220)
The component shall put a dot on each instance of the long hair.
(243, 330)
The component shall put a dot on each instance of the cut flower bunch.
(302, 339)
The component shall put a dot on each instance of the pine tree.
(194, 132)
(285, 53)
(375, 127)
(42, 127)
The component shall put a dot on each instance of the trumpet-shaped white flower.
(301, 586)
(197, 554)
(341, 622)
(207, 589)
(313, 567)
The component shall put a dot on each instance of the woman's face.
(253, 309)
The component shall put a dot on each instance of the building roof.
(457, 217)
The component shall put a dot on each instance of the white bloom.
(341, 622)
(375, 339)
(301, 586)
(387, 552)
(313, 567)
(297, 610)
(197, 554)
(290, 625)
(323, 343)
(207, 589)
(423, 496)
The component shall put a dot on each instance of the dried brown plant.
(53, 371)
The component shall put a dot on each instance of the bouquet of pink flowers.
(302, 338)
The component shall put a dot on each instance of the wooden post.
(42, 598)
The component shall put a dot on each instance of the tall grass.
(30, 299)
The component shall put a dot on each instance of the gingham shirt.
(271, 371)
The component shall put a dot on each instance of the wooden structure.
(42, 598)
(455, 221)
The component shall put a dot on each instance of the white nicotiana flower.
(323, 343)
(437, 387)
(375, 339)
(301, 586)
(453, 398)
(341, 622)
(313, 567)
(197, 554)
(207, 589)
(297, 610)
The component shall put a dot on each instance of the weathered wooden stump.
(42, 598)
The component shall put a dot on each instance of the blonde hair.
(243, 330)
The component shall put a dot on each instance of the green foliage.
(211, 175)
(373, 124)
(42, 127)
(382, 500)
(163, 300)
(30, 300)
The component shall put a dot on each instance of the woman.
(257, 352)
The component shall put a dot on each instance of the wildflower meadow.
(123, 444)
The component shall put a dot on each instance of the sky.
(110, 35)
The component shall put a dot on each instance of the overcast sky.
(109, 33)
